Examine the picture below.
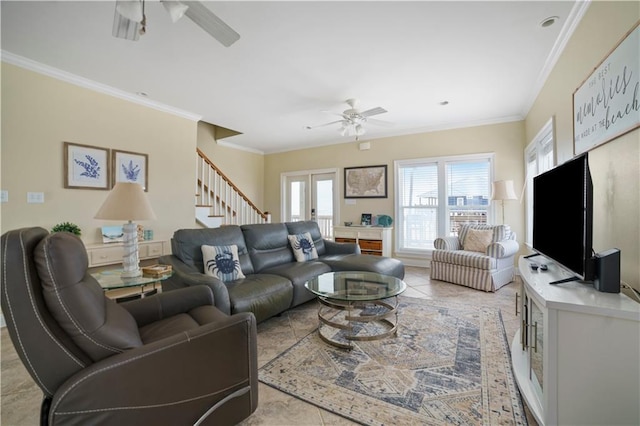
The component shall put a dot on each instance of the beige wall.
(39, 113)
(615, 166)
(505, 140)
(244, 168)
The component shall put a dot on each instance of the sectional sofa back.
(268, 245)
(186, 245)
(312, 228)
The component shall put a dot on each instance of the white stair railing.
(225, 201)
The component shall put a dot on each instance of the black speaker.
(608, 271)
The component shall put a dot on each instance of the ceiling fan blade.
(373, 111)
(208, 21)
(382, 123)
(323, 125)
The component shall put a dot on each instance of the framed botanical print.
(86, 167)
(130, 167)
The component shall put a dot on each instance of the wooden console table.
(111, 254)
(373, 240)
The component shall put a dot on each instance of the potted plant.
(67, 227)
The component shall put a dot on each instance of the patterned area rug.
(448, 365)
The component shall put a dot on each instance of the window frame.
(443, 220)
(543, 144)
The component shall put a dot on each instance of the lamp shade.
(126, 201)
(503, 190)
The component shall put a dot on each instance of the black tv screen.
(563, 216)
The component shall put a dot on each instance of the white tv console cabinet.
(576, 357)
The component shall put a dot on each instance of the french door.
(311, 195)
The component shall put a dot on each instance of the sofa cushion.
(268, 245)
(303, 247)
(478, 240)
(222, 262)
(471, 259)
(365, 262)
(186, 245)
(312, 228)
(299, 273)
(265, 295)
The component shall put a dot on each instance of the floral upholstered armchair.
(480, 257)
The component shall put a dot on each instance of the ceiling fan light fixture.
(125, 28)
(130, 9)
(175, 9)
(359, 130)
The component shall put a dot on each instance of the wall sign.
(607, 104)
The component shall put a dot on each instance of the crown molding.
(575, 16)
(76, 80)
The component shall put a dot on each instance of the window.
(434, 196)
(539, 158)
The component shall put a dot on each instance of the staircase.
(218, 201)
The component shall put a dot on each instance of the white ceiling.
(295, 60)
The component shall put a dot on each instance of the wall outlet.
(35, 197)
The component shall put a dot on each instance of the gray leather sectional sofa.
(274, 280)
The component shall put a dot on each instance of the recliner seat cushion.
(175, 324)
(98, 325)
(265, 295)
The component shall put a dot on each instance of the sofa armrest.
(174, 380)
(163, 305)
(331, 247)
(502, 249)
(186, 275)
(447, 243)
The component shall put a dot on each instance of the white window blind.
(539, 157)
(435, 196)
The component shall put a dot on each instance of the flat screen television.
(563, 216)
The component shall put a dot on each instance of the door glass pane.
(322, 203)
(535, 346)
(296, 201)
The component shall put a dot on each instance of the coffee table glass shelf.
(355, 306)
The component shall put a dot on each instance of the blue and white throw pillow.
(222, 262)
(303, 247)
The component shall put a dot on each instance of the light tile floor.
(21, 398)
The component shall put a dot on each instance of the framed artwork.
(85, 166)
(130, 167)
(112, 234)
(366, 219)
(605, 106)
(365, 182)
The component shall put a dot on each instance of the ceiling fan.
(130, 21)
(353, 120)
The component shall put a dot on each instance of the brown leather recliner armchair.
(169, 359)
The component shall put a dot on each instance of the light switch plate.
(350, 201)
(35, 197)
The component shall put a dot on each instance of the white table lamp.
(128, 201)
(503, 190)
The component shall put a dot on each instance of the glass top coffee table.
(355, 306)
